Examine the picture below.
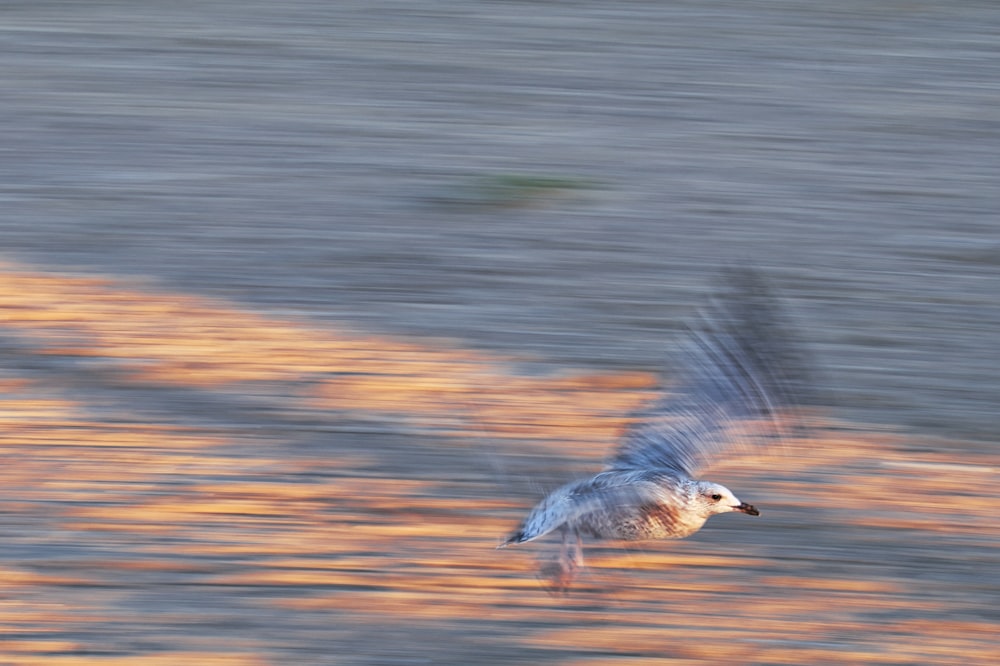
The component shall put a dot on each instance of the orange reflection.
(201, 536)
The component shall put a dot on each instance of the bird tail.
(517, 537)
(558, 508)
(538, 523)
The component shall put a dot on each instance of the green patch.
(506, 190)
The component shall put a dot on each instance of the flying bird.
(738, 375)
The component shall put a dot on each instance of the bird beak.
(748, 509)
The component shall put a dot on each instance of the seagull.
(737, 373)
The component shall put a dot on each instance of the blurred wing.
(737, 370)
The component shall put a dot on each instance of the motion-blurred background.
(303, 303)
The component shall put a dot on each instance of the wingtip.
(517, 537)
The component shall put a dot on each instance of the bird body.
(630, 505)
(736, 371)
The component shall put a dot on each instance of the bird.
(739, 375)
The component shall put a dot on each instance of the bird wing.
(601, 503)
(737, 369)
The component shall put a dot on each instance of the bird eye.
(716, 497)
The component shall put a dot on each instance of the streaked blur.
(303, 304)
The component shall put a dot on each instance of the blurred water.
(295, 156)
(556, 182)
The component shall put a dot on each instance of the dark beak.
(748, 509)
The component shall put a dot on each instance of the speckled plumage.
(736, 371)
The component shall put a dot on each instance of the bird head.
(714, 498)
